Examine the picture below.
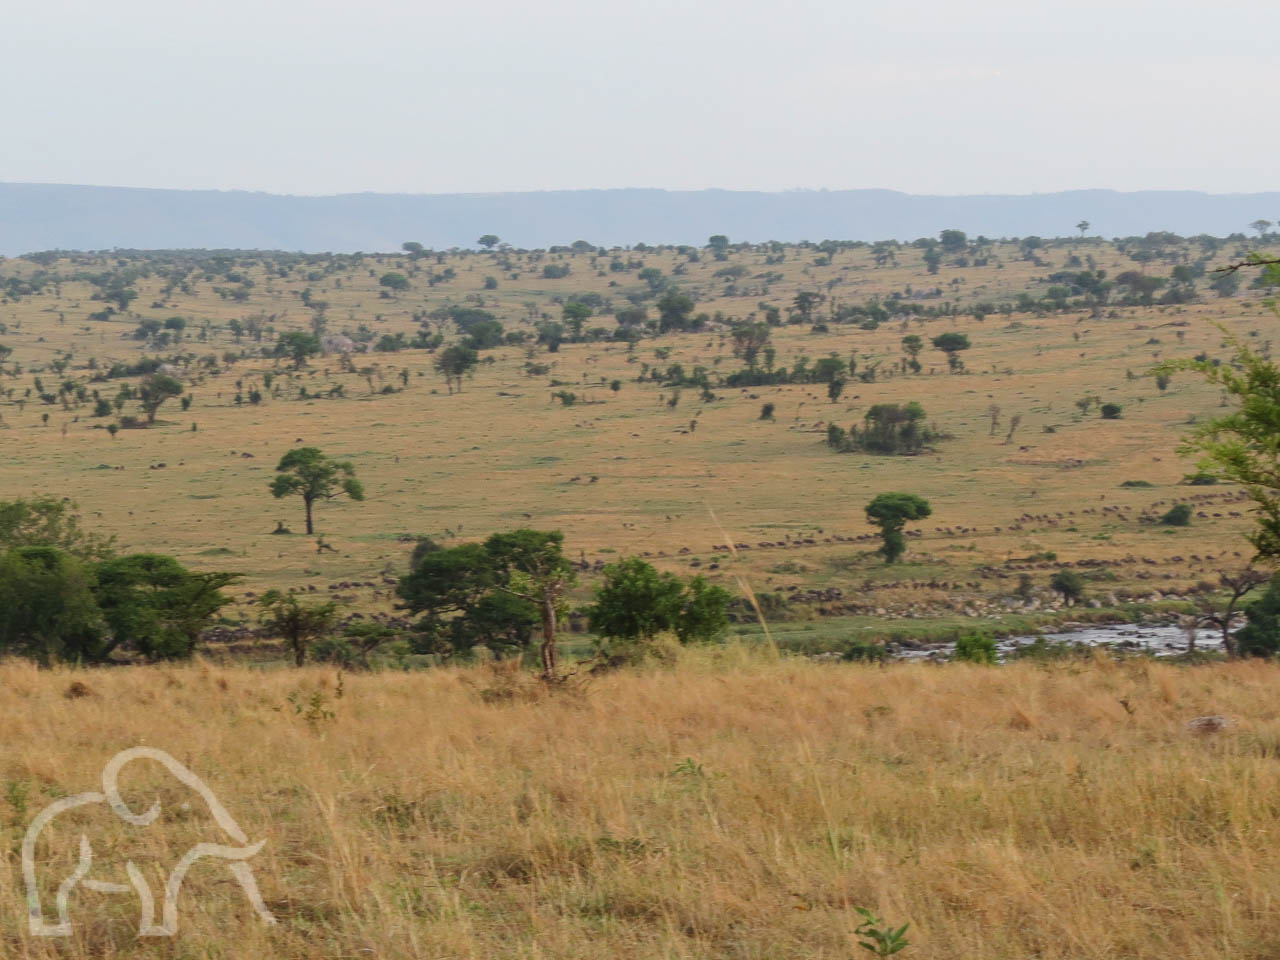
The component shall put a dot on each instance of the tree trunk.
(310, 528)
(548, 636)
(299, 652)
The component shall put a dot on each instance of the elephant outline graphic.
(236, 856)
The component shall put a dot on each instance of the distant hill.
(53, 216)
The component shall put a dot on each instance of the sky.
(416, 96)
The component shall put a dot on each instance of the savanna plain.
(739, 799)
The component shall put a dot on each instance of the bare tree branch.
(1233, 267)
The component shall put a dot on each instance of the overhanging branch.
(1233, 267)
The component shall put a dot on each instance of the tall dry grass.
(728, 808)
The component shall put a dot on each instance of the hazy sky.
(932, 96)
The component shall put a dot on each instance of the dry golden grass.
(729, 808)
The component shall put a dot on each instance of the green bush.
(1260, 637)
(1199, 479)
(975, 648)
(1137, 483)
(1111, 411)
(1069, 584)
(1179, 515)
(865, 651)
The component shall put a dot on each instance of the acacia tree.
(1241, 447)
(891, 512)
(531, 566)
(154, 606)
(1260, 637)
(636, 603)
(55, 606)
(154, 390)
(749, 338)
(575, 314)
(951, 344)
(46, 604)
(308, 473)
(804, 303)
(298, 624)
(674, 311)
(912, 345)
(492, 591)
(456, 589)
(1237, 585)
(453, 363)
(297, 345)
(50, 522)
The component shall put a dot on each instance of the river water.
(1163, 640)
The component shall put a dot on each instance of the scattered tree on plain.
(299, 624)
(635, 603)
(891, 512)
(952, 344)
(308, 473)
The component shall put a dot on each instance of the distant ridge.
(53, 216)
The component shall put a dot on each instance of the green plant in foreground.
(876, 938)
(975, 649)
(312, 709)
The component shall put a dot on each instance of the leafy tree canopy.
(891, 512)
(636, 602)
(49, 522)
(308, 473)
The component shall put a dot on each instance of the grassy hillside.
(729, 809)
(649, 468)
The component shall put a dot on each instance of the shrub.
(975, 648)
(1137, 483)
(888, 428)
(1179, 515)
(1069, 584)
(865, 651)
(1260, 637)
(766, 411)
(1199, 479)
(1111, 411)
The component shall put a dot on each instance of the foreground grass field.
(733, 807)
